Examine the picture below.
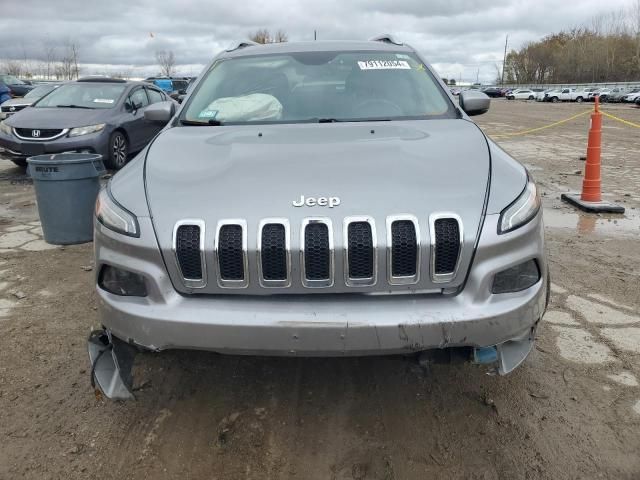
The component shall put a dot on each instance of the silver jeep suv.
(319, 199)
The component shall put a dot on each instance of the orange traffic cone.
(591, 184)
(591, 198)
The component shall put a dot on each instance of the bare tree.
(264, 36)
(166, 61)
(281, 36)
(635, 30)
(69, 68)
(49, 60)
(12, 67)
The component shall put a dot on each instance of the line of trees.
(265, 36)
(54, 63)
(608, 50)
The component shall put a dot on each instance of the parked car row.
(582, 94)
(92, 115)
(588, 94)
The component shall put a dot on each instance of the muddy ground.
(572, 411)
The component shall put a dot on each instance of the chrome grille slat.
(403, 250)
(317, 253)
(360, 254)
(189, 257)
(231, 253)
(274, 253)
(443, 269)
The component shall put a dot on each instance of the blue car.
(164, 84)
(5, 93)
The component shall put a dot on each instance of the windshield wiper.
(74, 106)
(210, 122)
(340, 120)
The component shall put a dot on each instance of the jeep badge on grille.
(320, 202)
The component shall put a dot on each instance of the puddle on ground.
(627, 224)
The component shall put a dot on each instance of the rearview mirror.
(160, 112)
(474, 102)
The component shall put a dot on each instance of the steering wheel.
(378, 107)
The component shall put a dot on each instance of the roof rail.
(99, 79)
(385, 38)
(241, 44)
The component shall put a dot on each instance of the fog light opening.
(122, 282)
(516, 279)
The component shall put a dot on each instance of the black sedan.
(493, 92)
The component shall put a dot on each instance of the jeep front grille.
(234, 266)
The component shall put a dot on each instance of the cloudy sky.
(459, 37)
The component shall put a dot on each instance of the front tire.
(554, 100)
(530, 97)
(579, 100)
(118, 151)
(20, 163)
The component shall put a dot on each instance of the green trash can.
(66, 185)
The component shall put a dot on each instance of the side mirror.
(182, 91)
(160, 112)
(474, 102)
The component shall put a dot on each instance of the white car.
(522, 94)
(631, 97)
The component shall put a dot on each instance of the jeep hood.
(376, 169)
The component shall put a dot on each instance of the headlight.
(115, 217)
(76, 132)
(521, 211)
(6, 129)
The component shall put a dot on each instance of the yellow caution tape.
(554, 124)
(626, 122)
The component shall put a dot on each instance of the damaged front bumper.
(334, 324)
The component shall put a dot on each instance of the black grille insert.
(447, 245)
(317, 253)
(38, 133)
(404, 249)
(273, 254)
(230, 254)
(188, 251)
(360, 245)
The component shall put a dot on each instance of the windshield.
(317, 86)
(83, 95)
(40, 91)
(11, 80)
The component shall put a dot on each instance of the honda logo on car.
(35, 133)
(320, 202)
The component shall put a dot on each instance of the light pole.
(504, 59)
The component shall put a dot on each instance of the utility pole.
(478, 75)
(315, 35)
(504, 59)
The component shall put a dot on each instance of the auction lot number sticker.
(384, 65)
